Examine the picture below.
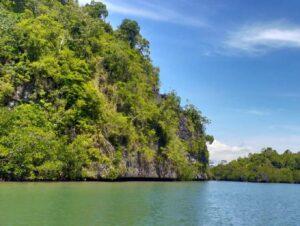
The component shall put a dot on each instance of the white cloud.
(260, 38)
(150, 11)
(219, 151)
(253, 144)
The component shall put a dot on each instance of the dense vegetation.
(80, 100)
(267, 166)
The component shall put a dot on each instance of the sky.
(237, 61)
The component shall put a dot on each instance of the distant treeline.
(267, 166)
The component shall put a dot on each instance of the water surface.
(149, 203)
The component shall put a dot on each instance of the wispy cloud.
(280, 142)
(293, 95)
(153, 12)
(261, 38)
(219, 151)
(256, 112)
(287, 128)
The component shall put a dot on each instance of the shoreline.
(132, 179)
(119, 180)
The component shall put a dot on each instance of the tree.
(196, 117)
(130, 31)
(19, 5)
(96, 10)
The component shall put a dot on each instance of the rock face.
(64, 2)
(137, 167)
(183, 132)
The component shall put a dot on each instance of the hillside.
(80, 100)
(267, 166)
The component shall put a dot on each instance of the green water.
(149, 203)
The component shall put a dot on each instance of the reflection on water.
(149, 203)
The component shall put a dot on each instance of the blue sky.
(237, 61)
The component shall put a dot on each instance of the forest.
(80, 100)
(267, 166)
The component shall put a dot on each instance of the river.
(149, 203)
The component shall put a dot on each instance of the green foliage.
(267, 166)
(79, 155)
(96, 10)
(79, 100)
(29, 145)
(129, 30)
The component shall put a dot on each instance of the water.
(149, 203)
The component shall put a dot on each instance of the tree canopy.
(96, 10)
(267, 166)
